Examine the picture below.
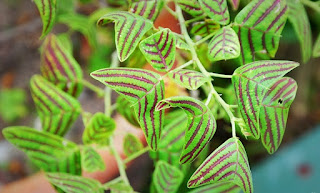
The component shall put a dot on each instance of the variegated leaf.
(98, 130)
(224, 187)
(91, 160)
(74, 184)
(251, 83)
(57, 110)
(129, 29)
(200, 128)
(65, 40)
(131, 144)
(166, 178)
(224, 45)
(125, 109)
(204, 28)
(234, 4)
(189, 79)
(191, 6)
(59, 67)
(274, 112)
(316, 48)
(228, 163)
(149, 9)
(47, 9)
(216, 10)
(259, 26)
(159, 49)
(144, 89)
(49, 152)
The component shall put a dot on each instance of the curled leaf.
(216, 10)
(191, 6)
(47, 9)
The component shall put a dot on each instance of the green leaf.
(144, 89)
(47, 9)
(224, 187)
(316, 48)
(71, 183)
(224, 45)
(204, 28)
(65, 41)
(47, 151)
(180, 43)
(234, 4)
(159, 49)
(117, 2)
(251, 82)
(228, 163)
(91, 160)
(189, 79)
(166, 178)
(131, 145)
(127, 111)
(192, 7)
(98, 130)
(59, 67)
(300, 22)
(149, 9)
(57, 110)
(259, 26)
(216, 10)
(274, 112)
(200, 128)
(120, 187)
(129, 29)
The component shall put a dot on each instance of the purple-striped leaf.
(216, 10)
(259, 26)
(59, 67)
(91, 160)
(234, 4)
(224, 45)
(204, 28)
(224, 187)
(192, 7)
(129, 29)
(149, 9)
(251, 82)
(316, 48)
(200, 128)
(274, 112)
(47, 9)
(228, 163)
(131, 144)
(189, 79)
(166, 178)
(57, 110)
(144, 89)
(160, 49)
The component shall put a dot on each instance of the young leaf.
(125, 109)
(98, 130)
(228, 163)
(274, 112)
(224, 45)
(47, 151)
(191, 6)
(144, 89)
(181, 44)
(166, 178)
(200, 128)
(149, 9)
(316, 48)
(74, 184)
(91, 160)
(159, 49)
(251, 83)
(224, 187)
(57, 110)
(259, 26)
(216, 10)
(59, 67)
(129, 29)
(131, 144)
(189, 79)
(204, 28)
(234, 4)
(47, 9)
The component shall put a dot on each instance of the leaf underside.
(148, 9)
(189, 79)
(91, 160)
(216, 10)
(131, 144)
(47, 9)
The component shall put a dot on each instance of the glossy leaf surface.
(191, 6)
(200, 128)
(149, 9)
(224, 45)
(159, 49)
(47, 9)
(91, 160)
(59, 67)
(228, 163)
(144, 89)
(57, 110)
(125, 109)
(216, 10)
(316, 48)
(131, 144)
(224, 187)
(204, 28)
(129, 29)
(189, 79)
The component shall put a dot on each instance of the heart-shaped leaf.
(189, 79)
(57, 110)
(200, 128)
(129, 29)
(91, 161)
(316, 48)
(228, 163)
(144, 89)
(204, 28)
(224, 187)
(148, 9)
(131, 144)
(47, 9)
(191, 6)
(224, 45)
(216, 10)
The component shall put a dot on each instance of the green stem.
(185, 65)
(137, 154)
(114, 181)
(93, 87)
(313, 5)
(170, 10)
(203, 70)
(220, 75)
(205, 39)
